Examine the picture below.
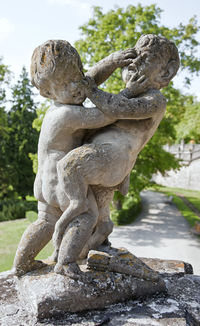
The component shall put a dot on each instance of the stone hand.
(138, 84)
(123, 58)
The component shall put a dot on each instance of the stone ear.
(169, 71)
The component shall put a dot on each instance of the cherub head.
(56, 70)
(156, 59)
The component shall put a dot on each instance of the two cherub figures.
(85, 154)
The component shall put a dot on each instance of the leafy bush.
(131, 208)
(12, 209)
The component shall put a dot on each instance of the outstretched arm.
(104, 68)
(122, 106)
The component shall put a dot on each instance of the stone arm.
(121, 106)
(77, 117)
(104, 68)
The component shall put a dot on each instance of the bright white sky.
(24, 24)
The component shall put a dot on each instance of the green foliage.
(119, 29)
(127, 215)
(176, 105)
(34, 160)
(189, 126)
(40, 112)
(19, 138)
(37, 123)
(5, 76)
(195, 201)
(12, 209)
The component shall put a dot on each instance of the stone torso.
(127, 138)
(54, 143)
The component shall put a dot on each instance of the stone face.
(45, 293)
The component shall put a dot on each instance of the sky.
(25, 24)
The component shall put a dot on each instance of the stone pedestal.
(179, 306)
(46, 294)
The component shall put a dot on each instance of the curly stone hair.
(52, 60)
(160, 48)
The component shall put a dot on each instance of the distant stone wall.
(188, 176)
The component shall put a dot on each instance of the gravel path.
(159, 232)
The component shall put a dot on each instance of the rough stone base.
(119, 321)
(46, 294)
(168, 267)
(179, 306)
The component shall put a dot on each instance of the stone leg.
(75, 237)
(104, 225)
(76, 189)
(34, 239)
(73, 241)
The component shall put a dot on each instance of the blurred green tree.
(22, 138)
(5, 77)
(189, 126)
(37, 123)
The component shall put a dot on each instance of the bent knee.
(79, 206)
(110, 226)
(105, 227)
(90, 220)
(49, 219)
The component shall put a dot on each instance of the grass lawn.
(192, 195)
(10, 235)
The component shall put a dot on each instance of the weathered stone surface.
(168, 266)
(121, 261)
(45, 293)
(181, 304)
(119, 321)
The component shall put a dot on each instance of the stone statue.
(57, 72)
(84, 154)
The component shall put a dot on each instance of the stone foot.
(71, 270)
(23, 269)
(84, 253)
(53, 257)
(121, 261)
